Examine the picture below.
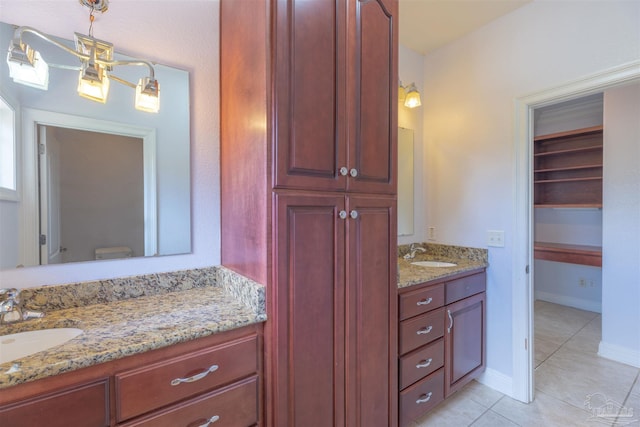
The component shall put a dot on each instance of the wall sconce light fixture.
(27, 67)
(409, 95)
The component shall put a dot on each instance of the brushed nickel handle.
(426, 301)
(354, 214)
(424, 363)
(207, 423)
(424, 398)
(425, 330)
(196, 377)
(450, 321)
(344, 171)
(343, 214)
(353, 172)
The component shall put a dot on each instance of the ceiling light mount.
(97, 5)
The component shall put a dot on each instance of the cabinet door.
(308, 316)
(464, 341)
(371, 312)
(372, 101)
(309, 92)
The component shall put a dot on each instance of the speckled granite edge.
(73, 295)
(250, 293)
(449, 251)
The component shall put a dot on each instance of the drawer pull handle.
(424, 398)
(196, 377)
(207, 423)
(450, 322)
(424, 363)
(426, 301)
(424, 331)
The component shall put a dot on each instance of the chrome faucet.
(11, 309)
(412, 251)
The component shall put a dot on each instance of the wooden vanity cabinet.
(176, 385)
(441, 340)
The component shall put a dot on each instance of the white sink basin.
(433, 264)
(15, 346)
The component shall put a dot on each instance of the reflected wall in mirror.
(95, 181)
(405, 182)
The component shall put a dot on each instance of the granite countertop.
(466, 259)
(120, 328)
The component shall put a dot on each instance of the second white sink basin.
(433, 264)
(15, 346)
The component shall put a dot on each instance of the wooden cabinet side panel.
(81, 405)
(371, 312)
(309, 79)
(374, 80)
(244, 44)
(308, 350)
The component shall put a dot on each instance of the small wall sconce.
(409, 95)
(27, 67)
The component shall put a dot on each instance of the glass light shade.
(94, 88)
(148, 95)
(33, 72)
(412, 99)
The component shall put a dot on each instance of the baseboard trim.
(497, 381)
(574, 302)
(619, 354)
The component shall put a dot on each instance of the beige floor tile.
(631, 410)
(572, 376)
(588, 338)
(543, 411)
(545, 346)
(555, 320)
(456, 411)
(492, 419)
(480, 393)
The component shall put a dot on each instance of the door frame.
(29, 206)
(522, 296)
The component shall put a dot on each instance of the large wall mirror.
(405, 182)
(92, 181)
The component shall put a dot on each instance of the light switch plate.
(431, 233)
(495, 238)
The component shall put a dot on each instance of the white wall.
(183, 34)
(621, 226)
(411, 70)
(468, 102)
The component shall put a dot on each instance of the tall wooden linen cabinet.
(308, 193)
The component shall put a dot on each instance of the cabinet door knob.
(353, 172)
(344, 171)
(343, 214)
(424, 398)
(424, 331)
(424, 363)
(354, 214)
(425, 301)
(196, 377)
(450, 321)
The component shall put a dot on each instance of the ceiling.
(426, 25)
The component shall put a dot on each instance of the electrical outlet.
(582, 282)
(495, 238)
(431, 233)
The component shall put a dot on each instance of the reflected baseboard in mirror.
(161, 163)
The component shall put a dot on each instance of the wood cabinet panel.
(79, 405)
(232, 406)
(421, 330)
(465, 350)
(309, 377)
(150, 387)
(420, 363)
(421, 301)
(370, 296)
(421, 397)
(464, 287)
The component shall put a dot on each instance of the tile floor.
(571, 380)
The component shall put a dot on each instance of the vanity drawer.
(421, 362)
(421, 330)
(235, 405)
(421, 301)
(141, 390)
(421, 397)
(465, 287)
(81, 405)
